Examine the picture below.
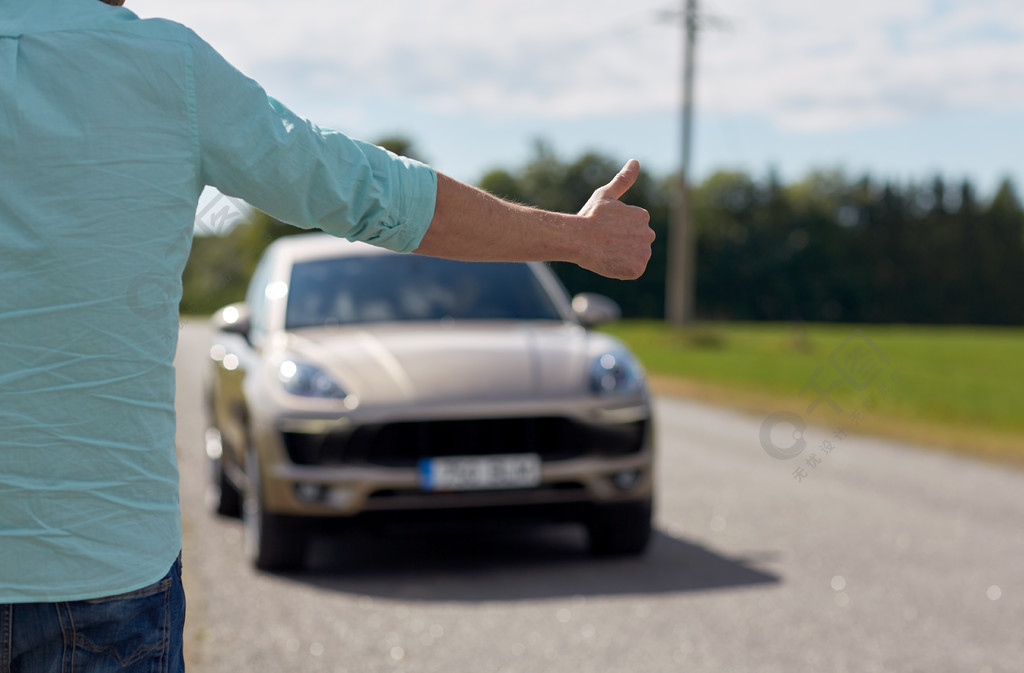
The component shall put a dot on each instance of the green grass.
(959, 387)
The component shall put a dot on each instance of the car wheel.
(222, 496)
(272, 542)
(620, 529)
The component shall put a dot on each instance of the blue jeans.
(137, 632)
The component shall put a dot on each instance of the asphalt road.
(883, 557)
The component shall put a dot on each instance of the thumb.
(621, 183)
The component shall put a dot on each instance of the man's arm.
(607, 236)
(257, 149)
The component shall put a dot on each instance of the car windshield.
(387, 288)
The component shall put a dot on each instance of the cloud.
(805, 65)
(824, 67)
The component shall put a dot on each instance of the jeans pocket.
(127, 632)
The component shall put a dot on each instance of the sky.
(904, 90)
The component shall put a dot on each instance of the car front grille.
(404, 444)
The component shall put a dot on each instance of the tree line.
(826, 248)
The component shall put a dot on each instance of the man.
(110, 127)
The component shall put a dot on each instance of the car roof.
(319, 245)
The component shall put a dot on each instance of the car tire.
(272, 542)
(620, 529)
(221, 495)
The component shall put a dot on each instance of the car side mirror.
(233, 318)
(595, 309)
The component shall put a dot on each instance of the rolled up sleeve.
(254, 148)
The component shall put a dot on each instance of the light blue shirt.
(110, 126)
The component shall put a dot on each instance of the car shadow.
(508, 566)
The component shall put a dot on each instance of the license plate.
(471, 473)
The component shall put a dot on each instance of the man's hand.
(615, 239)
(607, 236)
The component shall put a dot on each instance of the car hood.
(437, 362)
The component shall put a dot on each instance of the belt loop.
(6, 636)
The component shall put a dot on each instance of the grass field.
(960, 388)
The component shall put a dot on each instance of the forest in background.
(829, 248)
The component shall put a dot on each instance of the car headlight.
(616, 372)
(308, 381)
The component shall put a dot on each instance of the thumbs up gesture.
(615, 239)
(606, 236)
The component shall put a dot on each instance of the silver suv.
(355, 384)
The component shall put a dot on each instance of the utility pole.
(680, 277)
